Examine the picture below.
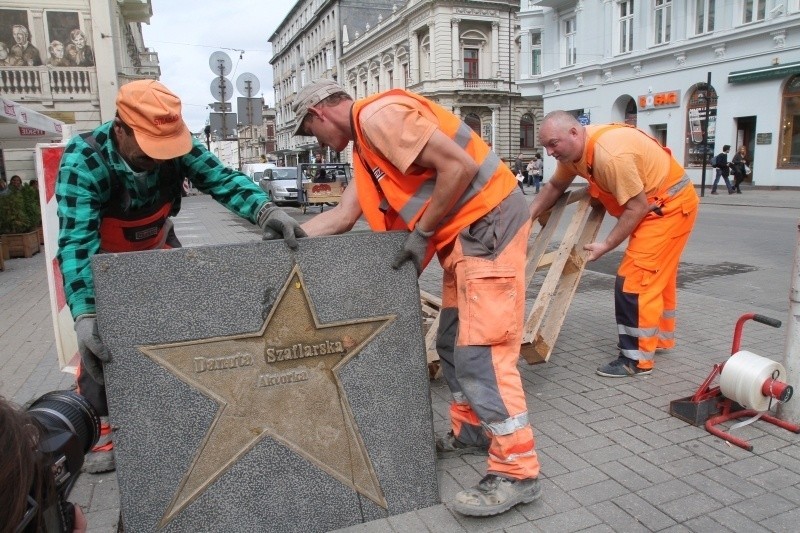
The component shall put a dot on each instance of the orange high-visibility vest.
(390, 199)
(676, 172)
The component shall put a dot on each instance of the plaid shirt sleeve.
(229, 187)
(82, 189)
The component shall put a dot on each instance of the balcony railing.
(49, 83)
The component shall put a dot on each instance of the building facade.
(67, 59)
(461, 54)
(648, 63)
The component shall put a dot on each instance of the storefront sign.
(659, 100)
(763, 138)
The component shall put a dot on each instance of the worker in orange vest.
(420, 168)
(639, 182)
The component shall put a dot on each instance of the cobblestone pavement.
(612, 457)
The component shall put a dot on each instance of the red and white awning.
(21, 127)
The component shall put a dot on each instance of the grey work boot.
(449, 446)
(495, 495)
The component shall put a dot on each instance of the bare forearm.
(547, 197)
(327, 223)
(635, 210)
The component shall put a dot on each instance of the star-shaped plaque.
(281, 382)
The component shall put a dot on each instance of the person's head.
(3, 184)
(23, 471)
(56, 49)
(148, 127)
(322, 110)
(34, 184)
(20, 34)
(726, 148)
(3, 50)
(562, 136)
(743, 149)
(78, 38)
(16, 182)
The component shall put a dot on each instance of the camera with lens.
(69, 428)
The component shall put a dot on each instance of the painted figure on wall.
(23, 49)
(6, 59)
(57, 59)
(78, 52)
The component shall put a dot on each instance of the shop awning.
(21, 127)
(764, 73)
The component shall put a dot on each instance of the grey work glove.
(90, 346)
(277, 224)
(414, 249)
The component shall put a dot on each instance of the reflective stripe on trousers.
(483, 303)
(645, 293)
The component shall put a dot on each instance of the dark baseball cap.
(309, 96)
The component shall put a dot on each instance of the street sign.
(220, 63)
(221, 107)
(247, 84)
(249, 110)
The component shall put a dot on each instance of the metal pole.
(222, 98)
(790, 411)
(705, 136)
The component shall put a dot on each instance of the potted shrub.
(31, 197)
(18, 232)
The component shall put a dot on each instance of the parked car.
(255, 171)
(281, 184)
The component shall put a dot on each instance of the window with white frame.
(570, 50)
(625, 27)
(703, 16)
(329, 57)
(662, 22)
(753, 10)
(536, 53)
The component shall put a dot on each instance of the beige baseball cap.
(309, 96)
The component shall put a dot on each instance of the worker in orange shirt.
(639, 182)
(420, 168)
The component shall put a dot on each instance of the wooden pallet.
(564, 266)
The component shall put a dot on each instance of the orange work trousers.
(481, 320)
(645, 293)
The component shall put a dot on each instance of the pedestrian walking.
(740, 167)
(723, 170)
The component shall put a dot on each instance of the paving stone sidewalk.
(612, 457)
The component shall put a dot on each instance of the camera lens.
(70, 411)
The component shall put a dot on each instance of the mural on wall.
(16, 49)
(68, 46)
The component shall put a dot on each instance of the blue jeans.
(716, 180)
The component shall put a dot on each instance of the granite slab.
(257, 388)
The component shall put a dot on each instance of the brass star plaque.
(281, 382)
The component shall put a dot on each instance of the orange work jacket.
(390, 199)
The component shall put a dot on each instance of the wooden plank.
(561, 281)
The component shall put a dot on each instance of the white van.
(255, 171)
